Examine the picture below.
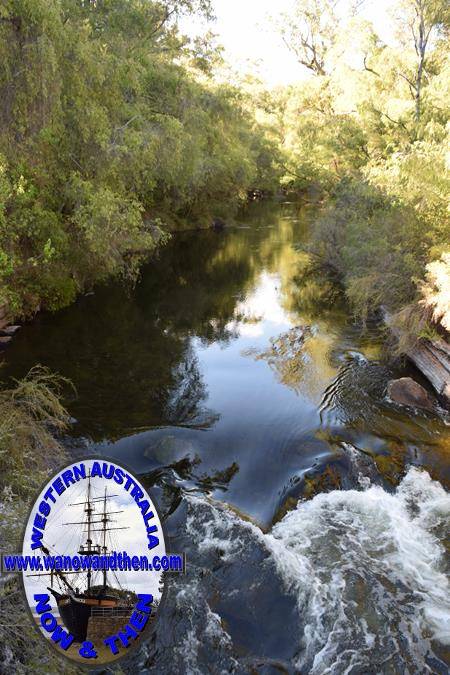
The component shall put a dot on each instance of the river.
(234, 379)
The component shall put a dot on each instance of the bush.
(374, 244)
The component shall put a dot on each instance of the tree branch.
(391, 119)
(370, 70)
(168, 13)
(412, 85)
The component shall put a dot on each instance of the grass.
(31, 414)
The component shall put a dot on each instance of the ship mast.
(59, 575)
(104, 521)
(89, 540)
(89, 548)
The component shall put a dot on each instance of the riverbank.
(124, 123)
(379, 249)
(328, 214)
(32, 419)
(234, 380)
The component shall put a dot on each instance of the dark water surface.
(234, 373)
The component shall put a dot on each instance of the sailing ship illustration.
(76, 605)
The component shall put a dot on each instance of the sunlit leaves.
(105, 118)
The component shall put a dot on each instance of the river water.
(313, 511)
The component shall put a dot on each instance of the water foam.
(368, 568)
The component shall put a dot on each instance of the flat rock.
(407, 391)
(8, 331)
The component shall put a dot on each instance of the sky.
(245, 30)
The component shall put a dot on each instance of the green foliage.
(109, 114)
(321, 146)
(111, 119)
(373, 244)
(371, 128)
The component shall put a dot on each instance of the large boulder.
(407, 391)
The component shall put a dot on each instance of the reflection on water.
(234, 373)
(230, 352)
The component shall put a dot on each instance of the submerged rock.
(169, 449)
(407, 391)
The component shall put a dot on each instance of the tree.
(423, 20)
(109, 113)
(310, 32)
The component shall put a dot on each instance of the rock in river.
(169, 449)
(4, 342)
(9, 331)
(407, 391)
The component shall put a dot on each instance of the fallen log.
(431, 357)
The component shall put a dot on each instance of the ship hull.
(75, 616)
(76, 611)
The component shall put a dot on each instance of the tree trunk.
(4, 318)
(419, 88)
(421, 48)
